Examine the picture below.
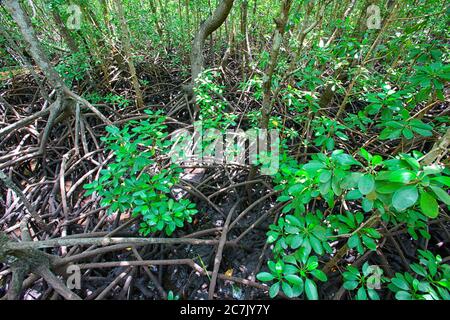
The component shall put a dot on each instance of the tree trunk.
(247, 56)
(207, 28)
(37, 53)
(266, 109)
(277, 41)
(127, 48)
(157, 22)
(33, 46)
(65, 34)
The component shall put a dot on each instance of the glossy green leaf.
(366, 184)
(265, 276)
(441, 194)
(274, 289)
(429, 205)
(405, 198)
(311, 290)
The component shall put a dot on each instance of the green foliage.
(325, 129)
(431, 79)
(405, 179)
(294, 231)
(117, 101)
(136, 182)
(398, 190)
(406, 128)
(294, 274)
(358, 121)
(360, 236)
(74, 67)
(364, 282)
(431, 280)
(212, 104)
(172, 296)
(334, 195)
(388, 102)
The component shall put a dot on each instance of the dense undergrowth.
(357, 207)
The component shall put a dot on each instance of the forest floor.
(53, 185)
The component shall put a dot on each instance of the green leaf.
(352, 271)
(296, 242)
(313, 166)
(287, 208)
(408, 134)
(294, 279)
(290, 269)
(367, 205)
(394, 134)
(311, 290)
(445, 283)
(295, 188)
(443, 180)
(293, 220)
(422, 132)
(373, 295)
(400, 283)
(350, 285)
(353, 195)
(377, 159)
(369, 242)
(366, 269)
(442, 195)
(329, 143)
(403, 295)
(325, 187)
(429, 205)
(265, 276)
(432, 169)
(366, 184)
(162, 188)
(401, 176)
(272, 236)
(312, 263)
(319, 274)
(372, 233)
(346, 160)
(287, 289)
(365, 154)
(387, 187)
(316, 245)
(271, 266)
(405, 197)
(283, 198)
(88, 186)
(112, 130)
(412, 162)
(385, 133)
(325, 176)
(361, 294)
(279, 266)
(274, 289)
(353, 241)
(342, 136)
(418, 269)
